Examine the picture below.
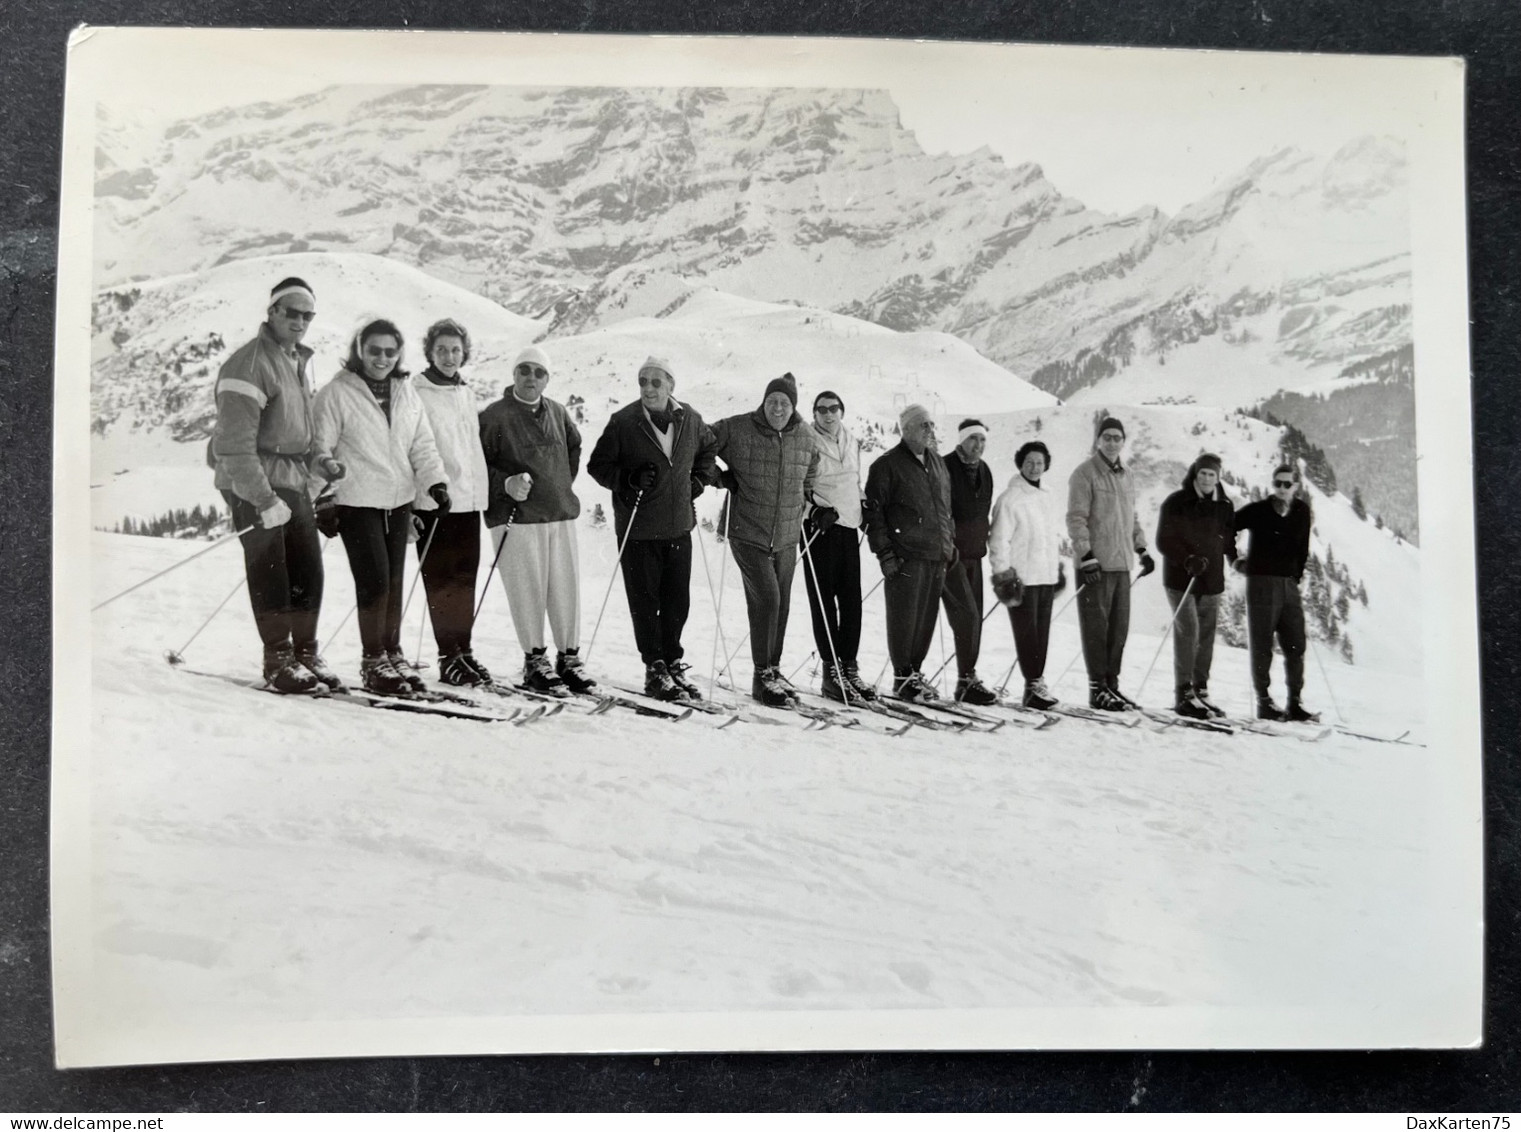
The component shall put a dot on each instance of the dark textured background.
(32, 47)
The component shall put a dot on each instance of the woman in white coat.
(370, 422)
(1024, 550)
(449, 539)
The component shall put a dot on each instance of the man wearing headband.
(1106, 538)
(971, 501)
(261, 449)
(910, 530)
(1277, 550)
(655, 456)
(533, 452)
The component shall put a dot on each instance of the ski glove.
(519, 486)
(1008, 588)
(727, 480)
(331, 470)
(1195, 564)
(1090, 569)
(325, 509)
(439, 493)
(892, 565)
(277, 514)
(1061, 578)
(823, 518)
(1148, 564)
(642, 478)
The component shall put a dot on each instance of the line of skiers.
(379, 458)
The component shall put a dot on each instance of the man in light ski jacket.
(1276, 553)
(533, 452)
(971, 483)
(655, 456)
(1196, 536)
(1106, 538)
(832, 555)
(772, 464)
(910, 530)
(261, 448)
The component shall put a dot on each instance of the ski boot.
(1267, 709)
(1201, 693)
(970, 690)
(462, 671)
(859, 688)
(539, 674)
(570, 669)
(1038, 696)
(677, 670)
(378, 675)
(1187, 704)
(312, 661)
(406, 670)
(1296, 713)
(286, 675)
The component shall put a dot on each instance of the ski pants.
(913, 606)
(449, 554)
(284, 567)
(1273, 609)
(1031, 621)
(1103, 614)
(1193, 637)
(657, 576)
(961, 593)
(540, 569)
(832, 574)
(375, 539)
(768, 598)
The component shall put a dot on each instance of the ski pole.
(177, 656)
(1322, 665)
(341, 624)
(176, 566)
(607, 593)
(1162, 643)
(500, 546)
(717, 599)
(834, 657)
(422, 558)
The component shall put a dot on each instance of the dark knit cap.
(831, 394)
(1109, 423)
(785, 384)
(1032, 446)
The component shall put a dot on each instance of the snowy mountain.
(537, 198)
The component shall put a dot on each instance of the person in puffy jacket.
(1024, 550)
(909, 529)
(449, 540)
(1197, 537)
(971, 498)
(656, 455)
(771, 465)
(261, 449)
(371, 427)
(533, 452)
(1106, 538)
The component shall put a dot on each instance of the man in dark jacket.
(971, 503)
(1196, 535)
(655, 456)
(772, 463)
(1276, 554)
(533, 452)
(909, 528)
(262, 449)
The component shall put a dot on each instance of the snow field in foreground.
(256, 858)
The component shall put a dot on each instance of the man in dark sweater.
(971, 503)
(909, 529)
(1273, 564)
(655, 456)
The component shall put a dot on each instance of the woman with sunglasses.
(449, 540)
(371, 424)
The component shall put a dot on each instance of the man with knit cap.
(971, 501)
(1196, 536)
(832, 552)
(772, 463)
(655, 456)
(533, 452)
(262, 448)
(1106, 538)
(910, 530)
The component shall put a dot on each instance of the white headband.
(970, 430)
(292, 289)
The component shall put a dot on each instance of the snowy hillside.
(262, 861)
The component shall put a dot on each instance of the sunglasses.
(526, 370)
(381, 352)
(1283, 483)
(829, 408)
(651, 382)
(304, 316)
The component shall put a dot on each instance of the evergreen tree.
(1357, 504)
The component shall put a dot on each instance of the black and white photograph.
(592, 543)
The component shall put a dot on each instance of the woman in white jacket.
(1024, 550)
(449, 539)
(370, 423)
